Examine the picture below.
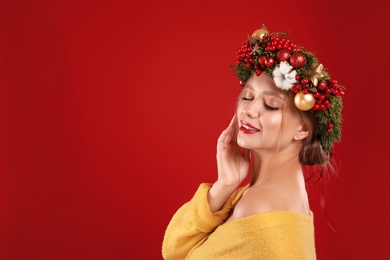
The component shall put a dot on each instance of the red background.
(110, 112)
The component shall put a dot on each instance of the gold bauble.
(259, 33)
(304, 101)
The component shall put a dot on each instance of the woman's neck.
(274, 166)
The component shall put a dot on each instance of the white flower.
(284, 75)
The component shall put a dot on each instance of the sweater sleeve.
(192, 223)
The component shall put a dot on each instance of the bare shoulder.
(257, 200)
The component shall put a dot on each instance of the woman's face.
(265, 120)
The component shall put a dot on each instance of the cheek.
(292, 121)
(274, 121)
(239, 107)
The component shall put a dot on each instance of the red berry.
(262, 60)
(322, 85)
(269, 62)
(294, 89)
(305, 81)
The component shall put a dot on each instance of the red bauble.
(282, 55)
(298, 60)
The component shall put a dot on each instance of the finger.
(229, 134)
(246, 153)
(228, 131)
(234, 126)
(223, 135)
(234, 120)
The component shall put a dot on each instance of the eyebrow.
(267, 92)
(273, 93)
(248, 86)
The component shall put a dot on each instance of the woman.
(288, 115)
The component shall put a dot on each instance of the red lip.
(247, 128)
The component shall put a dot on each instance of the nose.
(251, 111)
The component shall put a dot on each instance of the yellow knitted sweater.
(196, 233)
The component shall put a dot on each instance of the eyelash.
(271, 108)
(265, 105)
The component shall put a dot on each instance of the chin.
(244, 143)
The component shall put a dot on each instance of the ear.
(301, 134)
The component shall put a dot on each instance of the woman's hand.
(233, 161)
(233, 165)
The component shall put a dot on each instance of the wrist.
(218, 195)
(223, 187)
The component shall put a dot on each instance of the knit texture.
(196, 233)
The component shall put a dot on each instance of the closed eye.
(247, 99)
(270, 108)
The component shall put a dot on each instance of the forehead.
(264, 85)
